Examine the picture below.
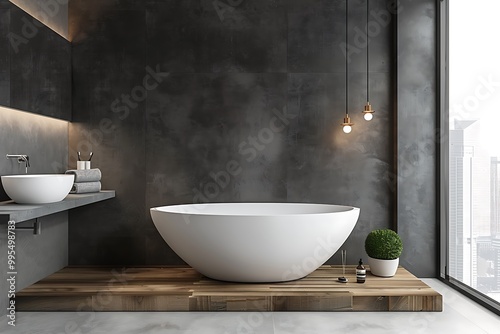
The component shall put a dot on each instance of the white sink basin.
(37, 188)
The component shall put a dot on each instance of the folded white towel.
(86, 175)
(86, 187)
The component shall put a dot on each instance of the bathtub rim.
(347, 209)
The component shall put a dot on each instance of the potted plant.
(383, 248)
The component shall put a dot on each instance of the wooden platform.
(183, 289)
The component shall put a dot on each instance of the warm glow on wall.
(53, 14)
(27, 117)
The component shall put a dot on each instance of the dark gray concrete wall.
(40, 69)
(37, 78)
(45, 140)
(229, 74)
(35, 65)
(416, 129)
(4, 53)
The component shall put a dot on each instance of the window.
(472, 169)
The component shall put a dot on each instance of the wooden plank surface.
(184, 289)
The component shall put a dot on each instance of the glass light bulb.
(368, 116)
(347, 129)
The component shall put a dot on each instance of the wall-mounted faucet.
(20, 159)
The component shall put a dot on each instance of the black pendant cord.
(367, 54)
(346, 57)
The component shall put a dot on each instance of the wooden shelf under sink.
(184, 289)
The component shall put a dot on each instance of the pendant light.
(368, 112)
(347, 125)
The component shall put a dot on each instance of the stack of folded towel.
(86, 180)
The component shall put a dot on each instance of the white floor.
(460, 315)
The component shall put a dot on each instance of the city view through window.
(474, 145)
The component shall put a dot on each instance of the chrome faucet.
(20, 159)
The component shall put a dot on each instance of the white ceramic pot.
(383, 268)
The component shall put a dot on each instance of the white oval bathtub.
(255, 242)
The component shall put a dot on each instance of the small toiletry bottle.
(360, 272)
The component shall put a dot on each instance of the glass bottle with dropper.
(360, 272)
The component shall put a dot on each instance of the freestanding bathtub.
(255, 242)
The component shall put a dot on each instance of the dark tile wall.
(35, 65)
(315, 31)
(4, 53)
(222, 75)
(40, 78)
(108, 63)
